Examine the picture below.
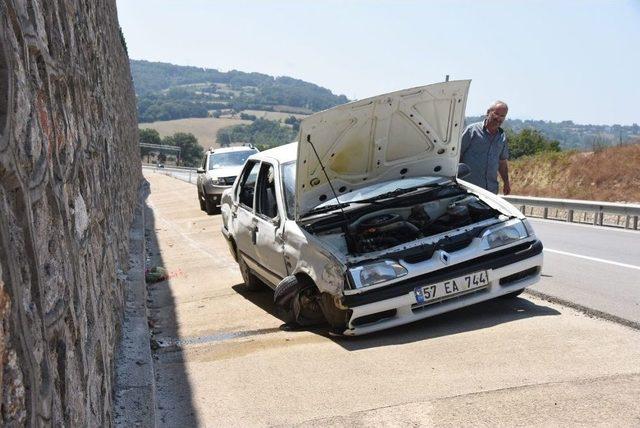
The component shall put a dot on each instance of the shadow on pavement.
(173, 390)
(475, 317)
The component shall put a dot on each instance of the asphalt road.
(221, 359)
(594, 267)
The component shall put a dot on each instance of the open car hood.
(409, 133)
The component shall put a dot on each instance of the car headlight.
(503, 234)
(217, 180)
(375, 273)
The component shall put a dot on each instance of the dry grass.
(204, 129)
(612, 174)
(273, 115)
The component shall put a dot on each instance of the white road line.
(564, 253)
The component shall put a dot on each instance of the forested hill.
(166, 91)
(572, 135)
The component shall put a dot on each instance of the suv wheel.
(200, 199)
(210, 206)
(251, 283)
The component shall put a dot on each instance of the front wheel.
(210, 206)
(203, 206)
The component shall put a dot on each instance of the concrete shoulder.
(135, 379)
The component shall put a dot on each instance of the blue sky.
(549, 60)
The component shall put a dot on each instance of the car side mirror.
(200, 170)
(463, 170)
(276, 220)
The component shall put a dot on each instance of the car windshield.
(219, 160)
(378, 189)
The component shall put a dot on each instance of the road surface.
(221, 358)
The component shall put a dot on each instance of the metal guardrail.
(569, 210)
(187, 174)
(177, 168)
(578, 211)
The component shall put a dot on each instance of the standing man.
(484, 149)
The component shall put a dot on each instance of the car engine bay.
(389, 227)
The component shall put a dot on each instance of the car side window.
(248, 184)
(266, 202)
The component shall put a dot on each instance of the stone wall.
(69, 178)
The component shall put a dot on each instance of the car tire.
(210, 206)
(295, 302)
(251, 283)
(512, 295)
(203, 207)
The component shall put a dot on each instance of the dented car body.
(364, 224)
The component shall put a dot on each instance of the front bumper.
(215, 189)
(518, 267)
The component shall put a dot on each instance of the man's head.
(496, 114)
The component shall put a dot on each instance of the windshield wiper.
(398, 192)
(327, 208)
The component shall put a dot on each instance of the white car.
(363, 223)
(219, 170)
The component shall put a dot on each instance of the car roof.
(282, 154)
(233, 149)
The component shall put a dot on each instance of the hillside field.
(611, 174)
(274, 115)
(204, 129)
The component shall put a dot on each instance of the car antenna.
(345, 226)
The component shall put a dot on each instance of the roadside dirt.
(221, 359)
(612, 174)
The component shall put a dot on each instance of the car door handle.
(254, 234)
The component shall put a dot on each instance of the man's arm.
(503, 169)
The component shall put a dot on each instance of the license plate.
(451, 287)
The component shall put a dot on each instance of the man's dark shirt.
(482, 152)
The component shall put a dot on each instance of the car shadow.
(476, 317)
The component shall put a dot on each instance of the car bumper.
(395, 305)
(215, 189)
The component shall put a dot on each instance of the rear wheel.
(251, 283)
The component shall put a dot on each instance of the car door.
(268, 226)
(242, 213)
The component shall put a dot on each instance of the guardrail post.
(522, 209)
(189, 176)
(635, 222)
(600, 218)
(570, 216)
(545, 212)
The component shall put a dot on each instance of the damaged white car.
(363, 223)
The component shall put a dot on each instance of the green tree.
(190, 150)
(528, 142)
